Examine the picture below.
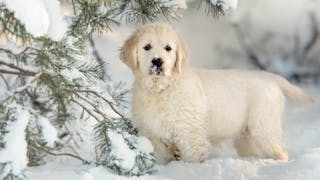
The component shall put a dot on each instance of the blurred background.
(277, 36)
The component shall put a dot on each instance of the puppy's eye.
(168, 48)
(147, 47)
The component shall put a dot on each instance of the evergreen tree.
(51, 80)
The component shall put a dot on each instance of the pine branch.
(119, 93)
(143, 11)
(90, 18)
(102, 147)
(98, 57)
(11, 25)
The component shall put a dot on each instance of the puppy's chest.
(155, 114)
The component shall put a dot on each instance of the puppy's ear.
(128, 52)
(181, 55)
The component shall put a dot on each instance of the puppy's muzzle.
(156, 67)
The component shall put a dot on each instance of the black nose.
(157, 62)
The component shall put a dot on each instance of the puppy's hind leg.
(248, 145)
(245, 145)
(264, 128)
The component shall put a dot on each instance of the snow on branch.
(49, 132)
(13, 158)
(40, 17)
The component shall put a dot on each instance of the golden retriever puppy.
(182, 110)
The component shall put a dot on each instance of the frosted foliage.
(40, 17)
(119, 148)
(131, 155)
(226, 4)
(71, 74)
(15, 152)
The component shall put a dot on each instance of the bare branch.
(315, 33)
(5, 81)
(107, 101)
(21, 72)
(13, 66)
(95, 108)
(46, 150)
(248, 50)
(20, 53)
(87, 110)
(18, 90)
(71, 138)
(25, 73)
(300, 77)
(7, 51)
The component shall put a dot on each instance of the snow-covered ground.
(300, 122)
(301, 138)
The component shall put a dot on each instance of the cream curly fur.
(184, 110)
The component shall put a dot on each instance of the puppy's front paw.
(176, 154)
(195, 153)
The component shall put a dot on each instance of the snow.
(49, 132)
(15, 152)
(301, 138)
(40, 17)
(96, 173)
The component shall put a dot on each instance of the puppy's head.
(154, 50)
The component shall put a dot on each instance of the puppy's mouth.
(156, 70)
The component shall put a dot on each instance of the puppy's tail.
(293, 91)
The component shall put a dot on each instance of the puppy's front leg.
(163, 153)
(193, 145)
